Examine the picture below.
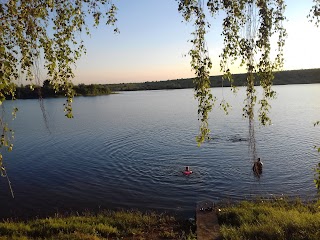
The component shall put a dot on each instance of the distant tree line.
(306, 76)
(91, 90)
(47, 91)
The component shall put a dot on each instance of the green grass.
(105, 225)
(274, 220)
(277, 219)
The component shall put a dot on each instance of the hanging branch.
(314, 17)
(248, 27)
(50, 27)
(272, 17)
(314, 14)
(200, 64)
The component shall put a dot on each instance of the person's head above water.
(259, 160)
(187, 168)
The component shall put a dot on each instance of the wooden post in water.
(207, 221)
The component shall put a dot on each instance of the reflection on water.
(128, 151)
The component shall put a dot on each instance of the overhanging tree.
(248, 27)
(46, 29)
(314, 17)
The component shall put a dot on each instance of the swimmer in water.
(257, 167)
(187, 171)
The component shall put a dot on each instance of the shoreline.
(277, 219)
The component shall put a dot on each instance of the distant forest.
(281, 78)
(47, 91)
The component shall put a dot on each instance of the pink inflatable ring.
(187, 172)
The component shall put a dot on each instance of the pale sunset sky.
(153, 44)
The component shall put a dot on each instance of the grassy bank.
(105, 225)
(271, 220)
(278, 219)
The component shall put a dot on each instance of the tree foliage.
(248, 27)
(200, 62)
(49, 30)
(314, 14)
(314, 17)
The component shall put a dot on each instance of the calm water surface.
(128, 150)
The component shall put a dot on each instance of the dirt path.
(207, 222)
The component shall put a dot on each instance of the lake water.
(128, 150)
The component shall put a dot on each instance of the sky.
(153, 44)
